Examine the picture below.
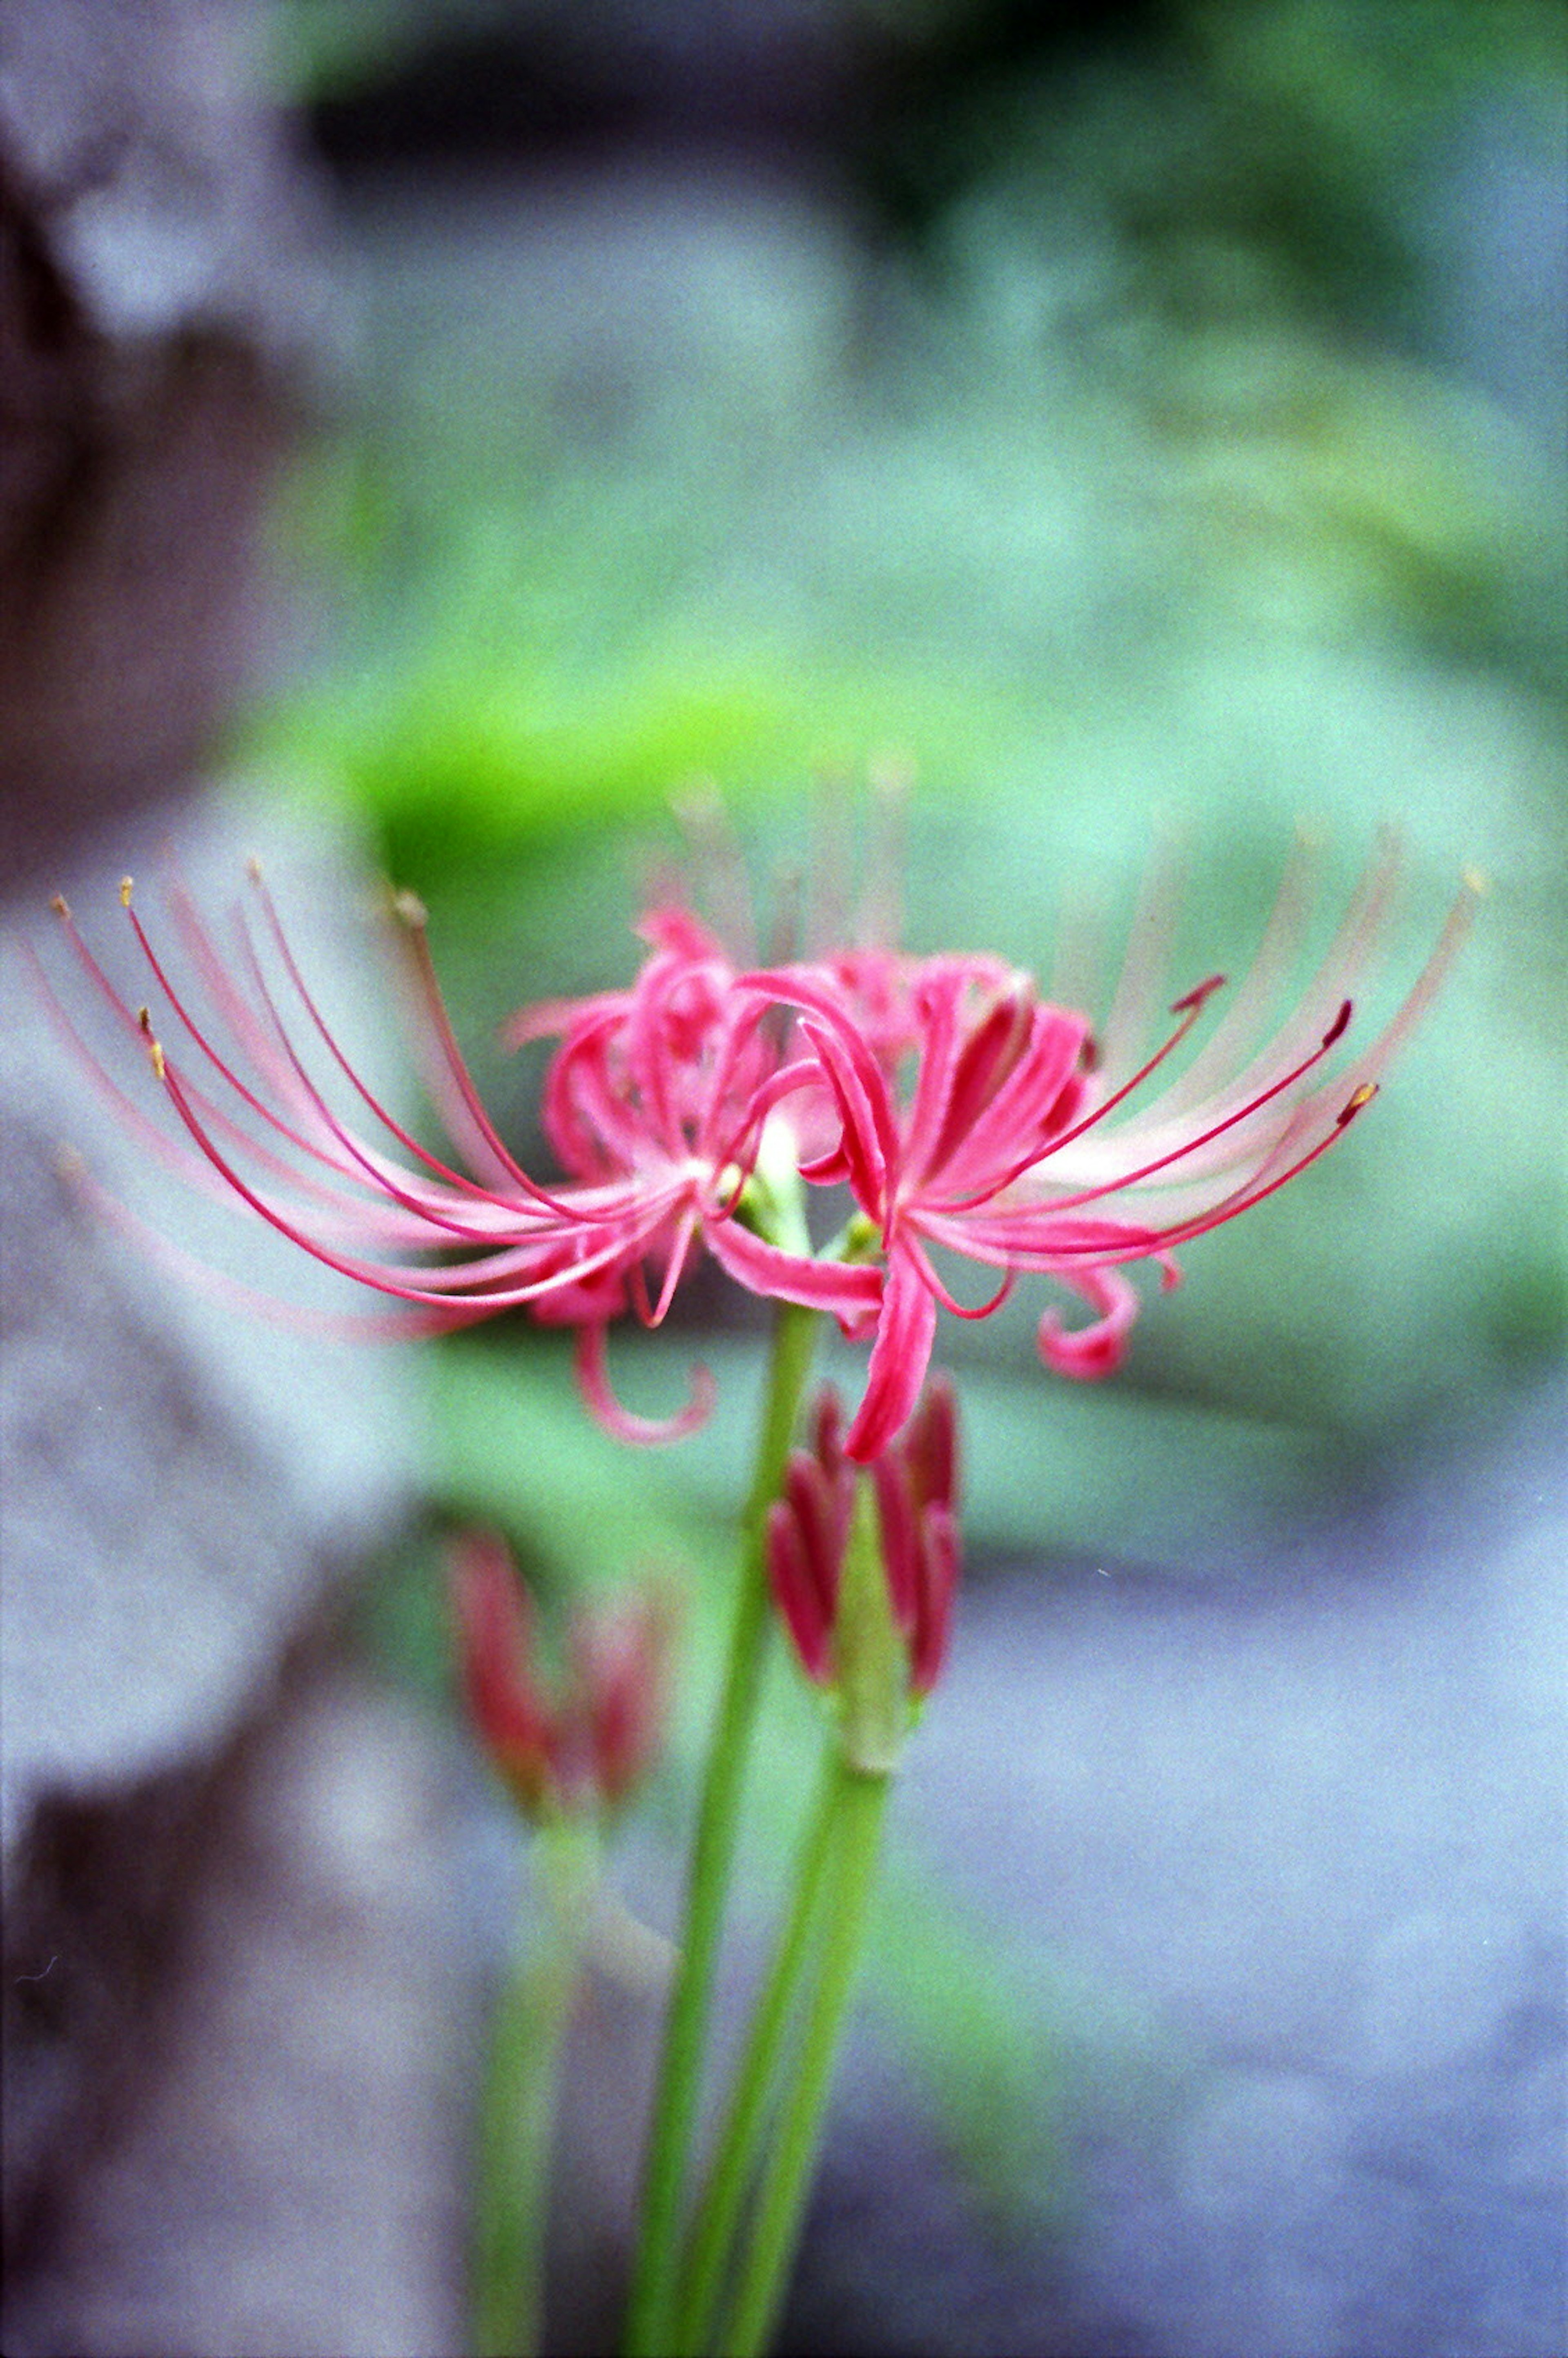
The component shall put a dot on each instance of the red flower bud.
(915, 1479)
(583, 1741)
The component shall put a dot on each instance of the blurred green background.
(1144, 423)
(1147, 424)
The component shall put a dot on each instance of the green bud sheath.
(871, 1659)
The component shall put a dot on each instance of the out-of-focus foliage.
(1178, 477)
(1146, 425)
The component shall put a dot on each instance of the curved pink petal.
(1089, 1352)
(850, 1291)
(900, 1357)
(857, 1075)
(649, 1433)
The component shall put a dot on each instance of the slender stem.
(652, 2299)
(518, 2106)
(859, 1802)
(735, 2160)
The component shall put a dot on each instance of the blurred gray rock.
(158, 293)
(188, 1494)
(234, 2010)
(291, 2180)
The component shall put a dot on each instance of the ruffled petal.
(648, 1432)
(1089, 1352)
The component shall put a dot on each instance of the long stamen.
(1243, 1201)
(1271, 961)
(126, 1015)
(922, 1260)
(457, 1179)
(401, 1325)
(1190, 1006)
(1144, 1243)
(377, 1170)
(1150, 941)
(412, 914)
(373, 1273)
(1217, 1130)
(241, 1087)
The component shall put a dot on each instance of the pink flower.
(915, 1480)
(581, 1743)
(656, 1104)
(968, 1117)
(1013, 1144)
(666, 1090)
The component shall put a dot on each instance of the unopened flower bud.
(863, 1570)
(581, 1742)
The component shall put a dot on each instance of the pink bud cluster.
(915, 1480)
(968, 1117)
(579, 1744)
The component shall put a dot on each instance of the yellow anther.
(144, 1022)
(59, 905)
(1477, 880)
(410, 908)
(124, 891)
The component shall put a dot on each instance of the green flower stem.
(859, 1800)
(518, 2102)
(735, 2160)
(649, 2316)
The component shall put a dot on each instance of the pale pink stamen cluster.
(964, 1114)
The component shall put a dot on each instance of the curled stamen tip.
(1196, 997)
(409, 909)
(125, 889)
(1337, 1028)
(60, 905)
(1362, 1096)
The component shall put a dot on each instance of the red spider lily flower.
(669, 1086)
(656, 1103)
(585, 1741)
(916, 1481)
(1015, 1146)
